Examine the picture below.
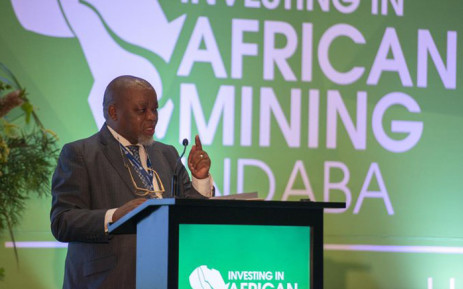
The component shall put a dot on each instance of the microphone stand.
(175, 185)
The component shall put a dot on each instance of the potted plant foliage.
(28, 153)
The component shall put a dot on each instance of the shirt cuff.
(108, 218)
(203, 186)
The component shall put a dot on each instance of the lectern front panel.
(244, 256)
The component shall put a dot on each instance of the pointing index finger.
(198, 144)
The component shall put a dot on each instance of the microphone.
(175, 186)
(184, 143)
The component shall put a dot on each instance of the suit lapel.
(112, 152)
(162, 167)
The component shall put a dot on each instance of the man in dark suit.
(100, 179)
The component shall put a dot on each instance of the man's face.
(137, 114)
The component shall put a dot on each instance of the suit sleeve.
(72, 219)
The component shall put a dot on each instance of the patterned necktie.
(134, 149)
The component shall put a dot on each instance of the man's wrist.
(108, 218)
(203, 186)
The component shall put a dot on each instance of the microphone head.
(185, 142)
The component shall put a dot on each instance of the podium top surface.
(128, 223)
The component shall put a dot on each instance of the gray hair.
(116, 86)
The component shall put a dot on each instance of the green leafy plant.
(28, 153)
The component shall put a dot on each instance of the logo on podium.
(205, 278)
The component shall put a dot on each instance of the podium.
(223, 244)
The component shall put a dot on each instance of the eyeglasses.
(143, 192)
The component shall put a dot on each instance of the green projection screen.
(244, 256)
(356, 101)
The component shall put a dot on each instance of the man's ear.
(112, 112)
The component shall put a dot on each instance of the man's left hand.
(199, 162)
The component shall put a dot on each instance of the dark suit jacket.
(90, 178)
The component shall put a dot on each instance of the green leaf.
(28, 109)
(52, 133)
(9, 128)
